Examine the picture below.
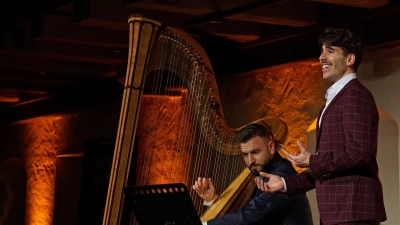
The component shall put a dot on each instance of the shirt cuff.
(204, 223)
(210, 202)
(284, 186)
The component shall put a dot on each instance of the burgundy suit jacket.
(344, 169)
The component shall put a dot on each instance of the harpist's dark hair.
(253, 130)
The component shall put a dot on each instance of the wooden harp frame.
(144, 34)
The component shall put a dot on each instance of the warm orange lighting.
(165, 97)
(9, 99)
(72, 155)
(165, 155)
(40, 163)
(293, 92)
(313, 125)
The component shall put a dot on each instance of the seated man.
(258, 150)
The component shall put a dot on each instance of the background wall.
(49, 152)
(380, 73)
(293, 92)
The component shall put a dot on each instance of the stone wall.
(294, 93)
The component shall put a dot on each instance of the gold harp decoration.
(153, 51)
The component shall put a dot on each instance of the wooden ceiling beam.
(63, 28)
(369, 4)
(53, 63)
(228, 12)
(74, 41)
(90, 92)
(277, 14)
(10, 86)
(378, 32)
(81, 52)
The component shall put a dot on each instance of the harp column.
(142, 33)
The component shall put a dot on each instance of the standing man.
(344, 169)
(258, 149)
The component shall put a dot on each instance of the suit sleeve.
(299, 183)
(350, 135)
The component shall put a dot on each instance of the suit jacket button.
(317, 153)
(325, 176)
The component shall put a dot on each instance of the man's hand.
(205, 188)
(302, 158)
(274, 184)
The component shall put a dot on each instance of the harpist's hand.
(205, 188)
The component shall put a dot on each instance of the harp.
(172, 127)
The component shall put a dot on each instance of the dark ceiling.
(60, 55)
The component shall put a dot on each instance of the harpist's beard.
(256, 168)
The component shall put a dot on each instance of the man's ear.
(271, 145)
(351, 58)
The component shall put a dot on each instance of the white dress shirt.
(336, 88)
(209, 204)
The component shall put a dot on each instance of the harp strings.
(184, 129)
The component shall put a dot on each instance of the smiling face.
(334, 63)
(257, 153)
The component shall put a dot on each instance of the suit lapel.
(350, 83)
(317, 128)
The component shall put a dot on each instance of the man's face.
(257, 152)
(334, 64)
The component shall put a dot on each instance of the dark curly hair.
(347, 40)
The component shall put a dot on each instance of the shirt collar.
(338, 86)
